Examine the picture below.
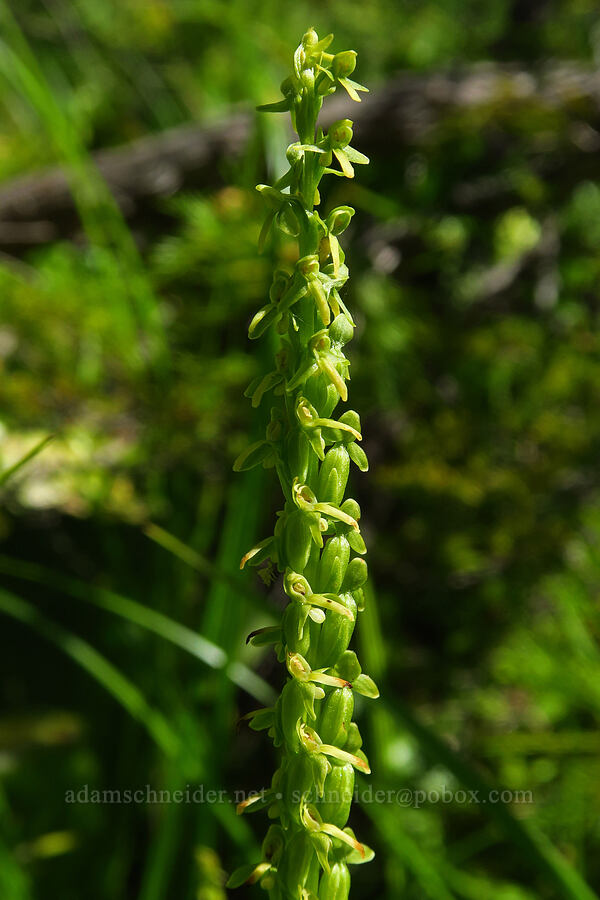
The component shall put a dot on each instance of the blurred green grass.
(476, 369)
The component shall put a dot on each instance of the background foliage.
(475, 267)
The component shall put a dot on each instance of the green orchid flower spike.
(316, 545)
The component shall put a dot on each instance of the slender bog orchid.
(317, 544)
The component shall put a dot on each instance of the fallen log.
(406, 113)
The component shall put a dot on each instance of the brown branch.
(406, 113)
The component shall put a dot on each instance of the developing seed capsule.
(334, 635)
(315, 391)
(297, 785)
(338, 790)
(335, 716)
(298, 453)
(333, 475)
(296, 633)
(291, 705)
(295, 865)
(335, 884)
(332, 400)
(313, 471)
(310, 570)
(311, 885)
(332, 565)
(297, 540)
(321, 768)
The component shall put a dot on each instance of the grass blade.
(525, 835)
(409, 854)
(208, 652)
(37, 448)
(103, 671)
(199, 563)
(135, 300)
(538, 849)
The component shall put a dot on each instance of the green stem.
(305, 855)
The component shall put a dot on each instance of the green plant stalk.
(316, 544)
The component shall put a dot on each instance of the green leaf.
(366, 686)
(263, 319)
(37, 448)
(356, 157)
(355, 859)
(262, 720)
(264, 231)
(342, 157)
(198, 646)
(252, 456)
(124, 691)
(241, 876)
(358, 456)
(277, 106)
(356, 541)
(352, 87)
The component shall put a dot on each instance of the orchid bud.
(271, 196)
(309, 39)
(336, 715)
(338, 792)
(348, 666)
(344, 63)
(338, 219)
(341, 331)
(340, 134)
(308, 265)
(356, 575)
(294, 154)
(281, 280)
